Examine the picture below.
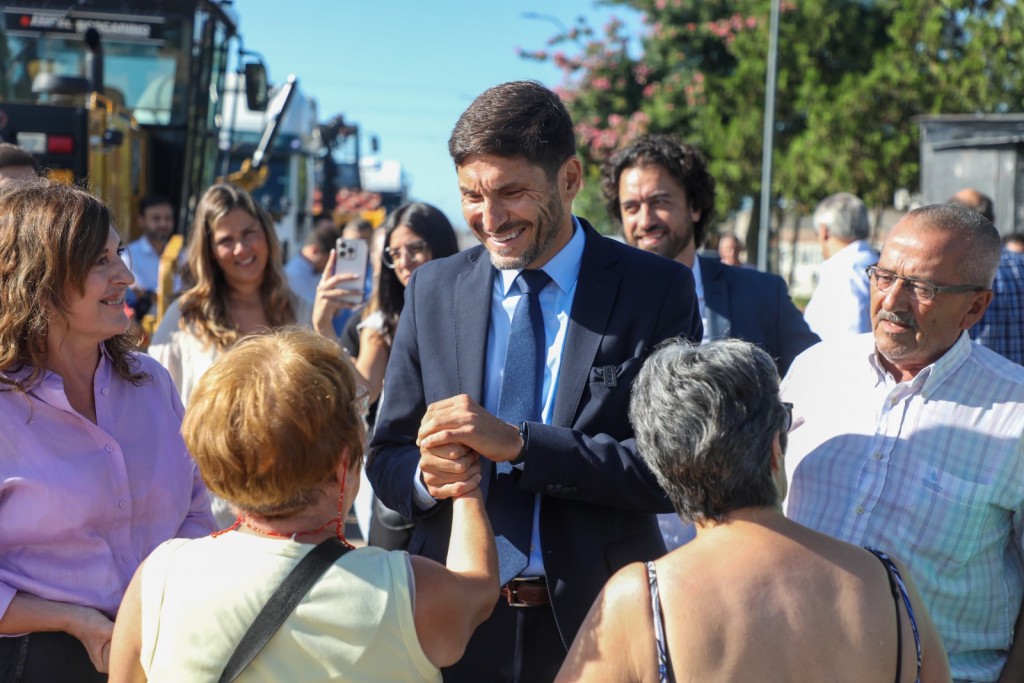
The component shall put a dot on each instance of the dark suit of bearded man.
(747, 304)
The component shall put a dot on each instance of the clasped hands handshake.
(454, 434)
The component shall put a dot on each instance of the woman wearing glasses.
(94, 473)
(414, 234)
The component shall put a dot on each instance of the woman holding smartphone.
(413, 235)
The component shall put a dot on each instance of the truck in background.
(351, 185)
(120, 97)
(313, 168)
(286, 190)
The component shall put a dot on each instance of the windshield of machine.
(145, 60)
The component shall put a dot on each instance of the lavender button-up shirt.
(82, 504)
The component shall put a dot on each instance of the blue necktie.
(510, 509)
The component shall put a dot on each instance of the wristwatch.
(524, 435)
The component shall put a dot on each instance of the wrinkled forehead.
(913, 248)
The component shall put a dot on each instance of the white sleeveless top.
(356, 624)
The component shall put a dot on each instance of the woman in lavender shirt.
(93, 470)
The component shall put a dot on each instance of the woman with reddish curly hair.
(276, 428)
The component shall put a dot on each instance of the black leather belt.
(529, 591)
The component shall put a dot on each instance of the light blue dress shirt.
(556, 304)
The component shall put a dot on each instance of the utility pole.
(769, 137)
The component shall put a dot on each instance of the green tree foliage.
(852, 76)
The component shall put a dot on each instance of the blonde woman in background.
(240, 288)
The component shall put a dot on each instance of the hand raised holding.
(461, 420)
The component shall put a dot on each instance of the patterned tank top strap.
(899, 591)
(665, 674)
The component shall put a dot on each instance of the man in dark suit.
(588, 498)
(664, 197)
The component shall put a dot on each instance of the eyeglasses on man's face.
(413, 251)
(922, 290)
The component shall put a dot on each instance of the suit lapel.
(596, 290)
(472, 313)
(472, 305)
(716, 298)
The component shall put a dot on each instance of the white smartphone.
(351, 256)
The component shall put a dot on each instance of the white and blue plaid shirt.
(931, 471)
(1002, 327)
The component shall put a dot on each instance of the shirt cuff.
(420, 497)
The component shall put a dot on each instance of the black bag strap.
(282, 603)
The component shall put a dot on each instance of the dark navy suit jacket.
(753, 306)
(597, 496)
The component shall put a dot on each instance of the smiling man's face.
(656, 213)
(520, 215)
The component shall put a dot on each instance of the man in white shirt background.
(839, 305)
(156, 218)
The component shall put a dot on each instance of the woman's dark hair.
(430, 224)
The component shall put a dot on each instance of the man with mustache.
(911, 438)
(511, 370)
(662, 194)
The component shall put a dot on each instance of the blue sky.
(404, 70)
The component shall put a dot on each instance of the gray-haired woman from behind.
(755, 596)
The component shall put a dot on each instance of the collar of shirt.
(50, 388)
(852, 252)
(563, 268)
(932, 376)
(143, 246)
(698, 283)
(698, 287)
